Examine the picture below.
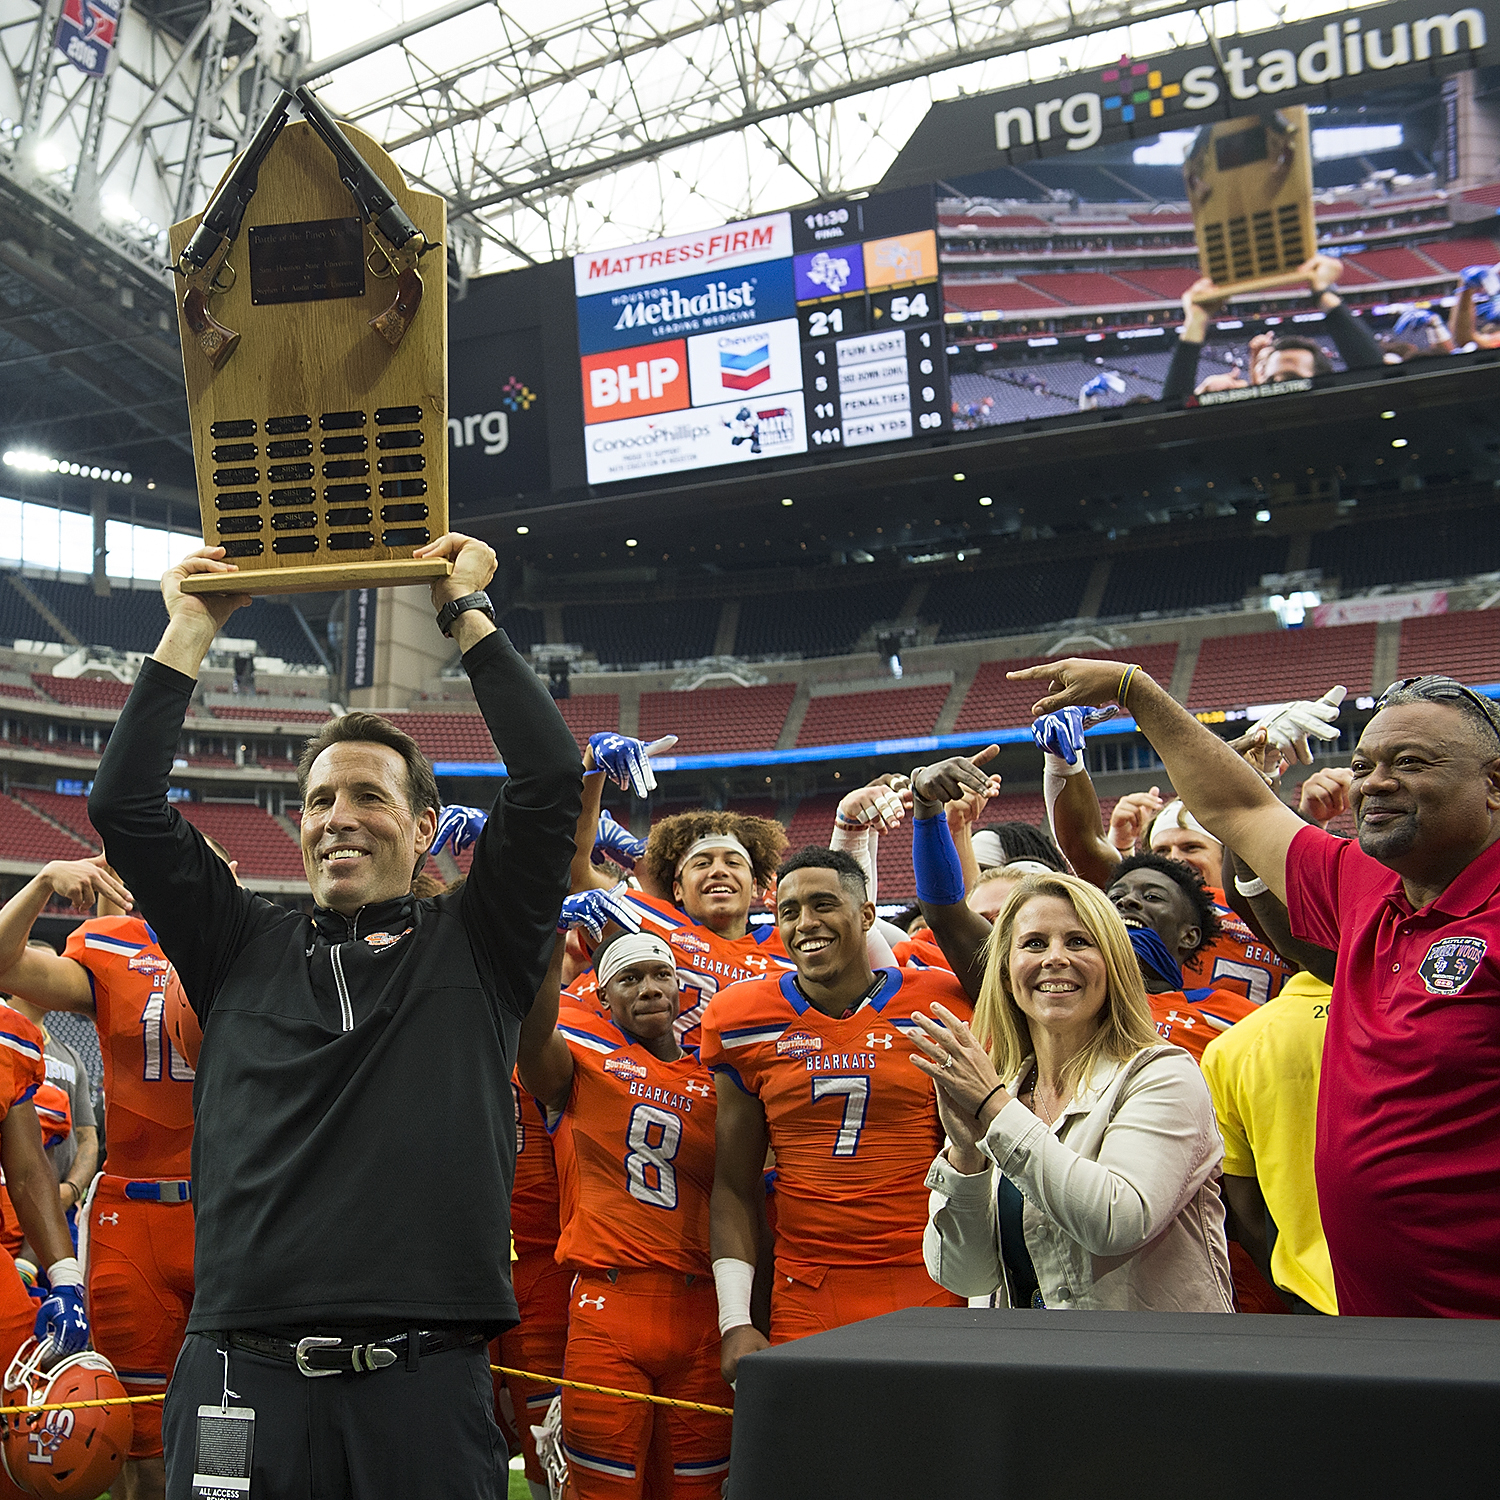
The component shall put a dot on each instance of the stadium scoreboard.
(792, 333)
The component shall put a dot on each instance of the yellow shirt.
(1263, 1075)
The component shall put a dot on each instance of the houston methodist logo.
(1132, 91)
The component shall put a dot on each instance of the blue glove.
(1414, 318)
(1484, 279)
(594, 910)
(458, 826)
(1104, 382)
(1061, 734)
(62, 1319)
(617, 843)
(627, 762)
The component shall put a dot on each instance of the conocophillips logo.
(1134, 91)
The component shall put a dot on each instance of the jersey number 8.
(654, 1137)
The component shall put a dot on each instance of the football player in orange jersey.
(136, 1235)
(541, 1285)
(635, 1151)
(33, 1190)
(1235, 959)
(810, 1062)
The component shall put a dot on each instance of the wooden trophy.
(316, 369)
(1249, 182)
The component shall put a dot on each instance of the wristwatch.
(455, 607)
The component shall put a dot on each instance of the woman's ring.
(951, 1060)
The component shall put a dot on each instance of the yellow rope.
(607, 1390)
(7, 1411)
(572, 1385)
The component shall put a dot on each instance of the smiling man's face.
(361, 838)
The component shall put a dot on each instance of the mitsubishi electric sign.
(1304, 63)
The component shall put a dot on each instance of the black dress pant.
(422, 1434)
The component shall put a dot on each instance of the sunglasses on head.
(1436, 688)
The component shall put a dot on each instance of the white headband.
(634, 948)
(714, 841)
(1028, 867)
(988, 850)
(1175, 815)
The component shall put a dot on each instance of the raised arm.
(544, 1061)
(961, 933)
(522, 858)
(1219, 789)
(186, 892)
(41, 976)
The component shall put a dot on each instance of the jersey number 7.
(856, 1092)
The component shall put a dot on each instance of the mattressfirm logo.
(1135, 93)
(624, 1067)
(711, 250)
(1451, 963)
(798, 1044)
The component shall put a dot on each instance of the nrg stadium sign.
(1303, 63)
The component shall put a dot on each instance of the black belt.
(315, 1356)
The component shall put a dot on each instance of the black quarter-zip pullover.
(354, 1125)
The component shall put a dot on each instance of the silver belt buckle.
(313, 1342)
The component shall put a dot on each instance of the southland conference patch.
(1451, 963)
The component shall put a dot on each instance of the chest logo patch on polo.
(624, 1067)
(1451, 963)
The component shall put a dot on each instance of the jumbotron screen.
(792, 333)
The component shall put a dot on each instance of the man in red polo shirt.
(1408, 1147)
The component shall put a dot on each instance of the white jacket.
(1121, 1199)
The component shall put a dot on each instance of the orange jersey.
(1237, 960)
(1193, 1018)
(533, 1199)
(23, 1065)
(851, 1120)
(921, 952)
(706, 962)
(148, 1084)
(635, 1153)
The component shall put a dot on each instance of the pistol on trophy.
(399, 241)
(205, 254)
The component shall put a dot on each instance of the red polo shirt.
(1408, 1149)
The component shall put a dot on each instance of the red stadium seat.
(1235, 671)
(892, 714)
(995, 703)
(252, 836)
(84, 692)
(1396, 264)
(981, 218)
(26, 836)
(1087, 288)
(19, 690)
(994, 296)
(457, 736)
(71, 812)
(1454, 255)
(710, 721)
(1161, 281)
(1466, 646)
(590, 713)
(271, 715)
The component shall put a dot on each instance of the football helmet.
(183, 1028)
(74, 1454)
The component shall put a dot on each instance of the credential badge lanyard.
(226, 1444)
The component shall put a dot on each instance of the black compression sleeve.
(1182, 374)
(1355, 343)
(521, 862)
(181, 887)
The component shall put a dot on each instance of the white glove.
(1288, 727)
(878, 805)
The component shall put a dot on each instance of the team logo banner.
(86, 33)
(1302, 63)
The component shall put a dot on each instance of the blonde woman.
(1106, 1194)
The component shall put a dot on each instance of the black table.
(959, 1404)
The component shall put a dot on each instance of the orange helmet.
(74, 1454)
(181, 1020)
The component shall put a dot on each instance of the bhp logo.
(635, 382)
